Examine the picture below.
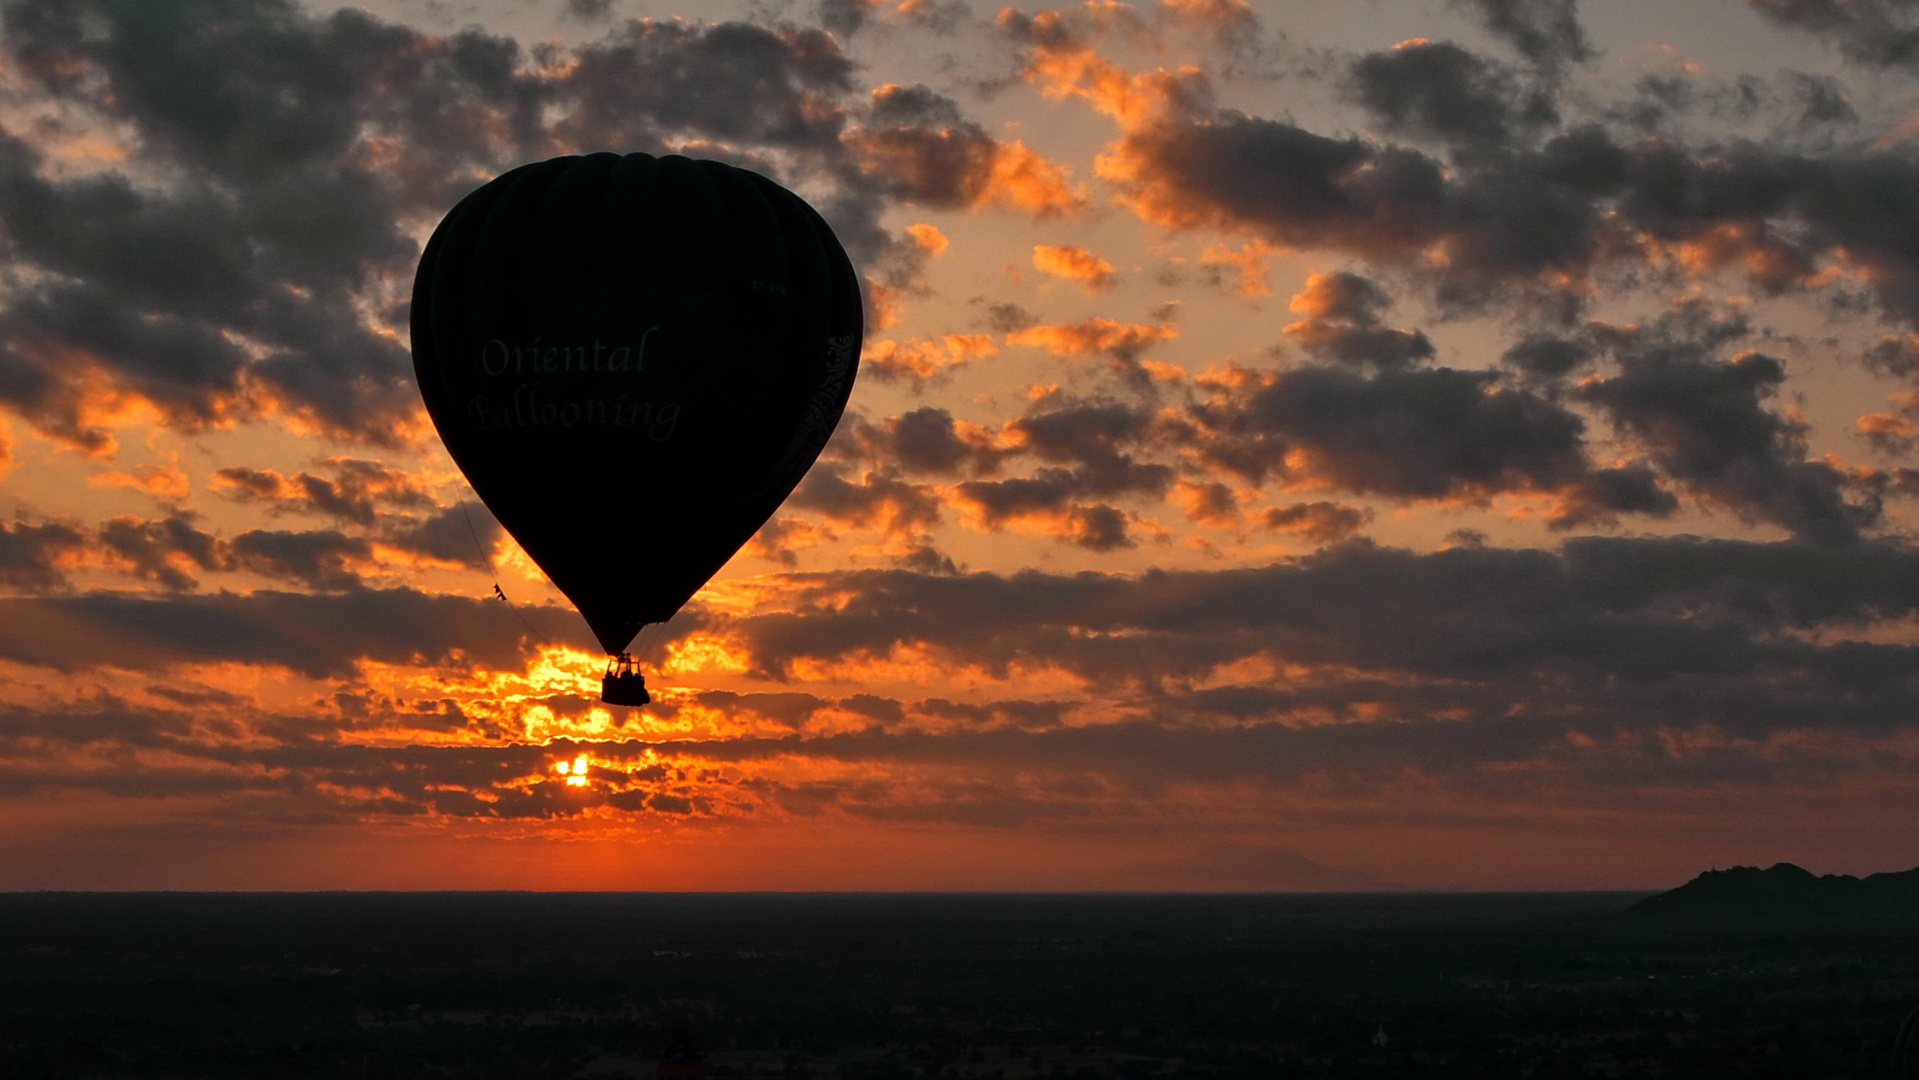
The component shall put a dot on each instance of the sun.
(574, 771)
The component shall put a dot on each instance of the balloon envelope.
(634, 360)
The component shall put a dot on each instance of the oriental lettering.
(498, 357)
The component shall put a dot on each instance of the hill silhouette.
(1785, 891)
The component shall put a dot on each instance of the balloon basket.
(623, 684)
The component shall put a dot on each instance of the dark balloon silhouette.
(634, 360)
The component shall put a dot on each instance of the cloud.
(1893, 434)
(33, 557)
(918, 147)
(1074, 264)
(1343, 324)
(1087, 445)
(1703, 420)
(918, 362)
(170, 551)
(315, 635)
(1599, 634)
(846, 17)
(1324, 522)
(166, 483)
(588, 10)
(926, 441)
(1421, 434)
(1545, 32)
(879, 500)
(461, 535)
(1541, 219)
(1875, 33)
(1444, 92)
(1549, 356)
(245, 259)
(1045, 500)
(1122, 343)
(1495, 677)
(355, 492)
(324, 561)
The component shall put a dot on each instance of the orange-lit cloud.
(160, 481)
(928, 238)
(1090, 337)
(921, 148)
(1074, 264)
(1210, 503)
(1248, 261)
(925, 358)
(1893, 433)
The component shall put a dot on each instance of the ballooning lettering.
(528, 409)
(499, 357)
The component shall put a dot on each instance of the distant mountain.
(1245, 868)
(1785, 891)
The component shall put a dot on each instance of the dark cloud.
(790, 710)
(268, 231)
(300, 150)
(844, 17)
(1088, 447)
(354, 493)
(1549, 356)
(1049, 497)
(1093, 438)
(1545, 32)
(463, 534)
(925, 441)
(1420, 434)
(1608, 664)
(170, 551)
(1696, 632)
(165, 552)
(1601, 496)
(878, 499)
(1325, 522)
(1512, 223)
(776, 87)
(1702, 419)
(1441, 91)
(1821, 99)
(1344, 324)
(315, 635)
(319, 560)
(915, 146)
(1897, 356)
(589, 10)
(1008, 317)
(31, 554)
(1876, 33)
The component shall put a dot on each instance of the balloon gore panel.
(634, 360)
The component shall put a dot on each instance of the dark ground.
(532, 985)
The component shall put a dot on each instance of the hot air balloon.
(634, 360)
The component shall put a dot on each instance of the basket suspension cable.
(497, 591)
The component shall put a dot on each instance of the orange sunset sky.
(1466, 441)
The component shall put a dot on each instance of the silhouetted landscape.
(876, 986)
(1785, 891)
